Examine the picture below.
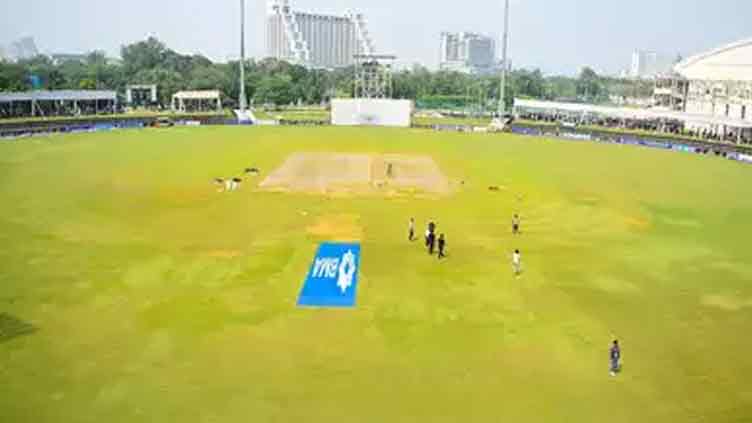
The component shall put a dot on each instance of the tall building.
(649, 64)
(315, 40)
(467, 52)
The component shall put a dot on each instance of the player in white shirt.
(517, 262)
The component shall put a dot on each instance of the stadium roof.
(65, 95)
(628, 113)
(731, 62)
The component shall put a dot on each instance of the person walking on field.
(517, 262)
(516, 224)
(615, 356)
(431, 242)
(431, 237)
(442, 246)
(411, 229)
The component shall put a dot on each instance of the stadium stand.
(57, 103)
(660, 121)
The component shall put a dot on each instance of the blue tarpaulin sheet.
(332, 280)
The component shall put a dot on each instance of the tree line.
(271, 81)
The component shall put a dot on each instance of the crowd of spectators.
(661, 126)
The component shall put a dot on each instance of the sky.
(557, 36)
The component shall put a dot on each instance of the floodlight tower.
(243, 101)
(373, 75)
(504, 59)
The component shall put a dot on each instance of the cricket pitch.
(357, 173)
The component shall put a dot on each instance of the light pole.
(504, 59)
(243, 101)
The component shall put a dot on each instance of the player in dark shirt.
(615, 356)
(431, 237)
(516, 224)
(442, 245)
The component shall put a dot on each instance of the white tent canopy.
(60, 95)
(44, 102)
(211, 98)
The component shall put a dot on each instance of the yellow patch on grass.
(726, 302)
(341, 227)
(224, 254)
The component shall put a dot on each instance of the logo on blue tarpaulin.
(332, 280)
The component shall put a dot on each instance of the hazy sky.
(559, 36)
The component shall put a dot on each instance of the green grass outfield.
(464, 121)
(130, 290)
(313, 115)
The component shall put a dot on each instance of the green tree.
(143, 55)
(104, 75)
(589, 86)
(275, 81)
(527, 83)
(12, 77)
(43, 67)
(87, 84)
(274, 89)
(73, 72)
(208, 78)
(560, 88)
